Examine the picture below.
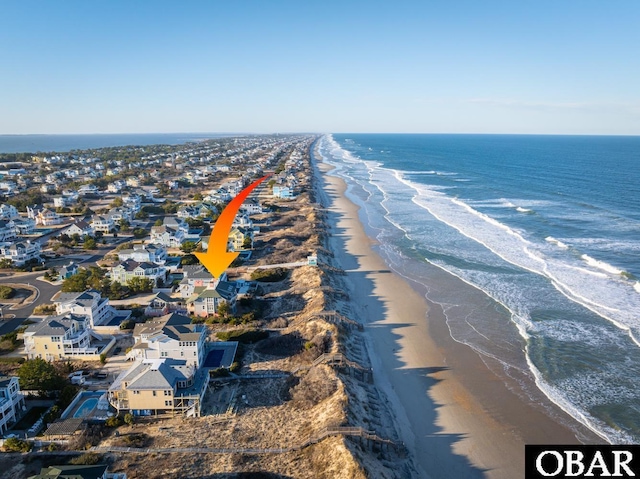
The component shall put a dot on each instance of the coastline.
(456, 416)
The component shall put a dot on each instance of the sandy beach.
(456, 416)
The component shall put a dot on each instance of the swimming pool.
(86, 407)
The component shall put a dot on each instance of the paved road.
(46, 289)
(46, 292)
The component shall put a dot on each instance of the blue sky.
(561, 67)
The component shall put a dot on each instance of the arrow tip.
(217, 263)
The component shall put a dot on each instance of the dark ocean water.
(546, 227)
(64, 143)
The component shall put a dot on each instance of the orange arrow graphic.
(217, 259)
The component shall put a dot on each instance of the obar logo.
(581, 461)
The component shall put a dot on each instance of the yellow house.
(236, 240)
(159, 386)
(58, 337)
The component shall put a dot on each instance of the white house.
(47, 217)
(88, 303)
(129, 269)
(167, 236)
(103, 224)
(11, 402)
(8, 211)
(282, 192)
(7, 231)
(20, 252)
(81, 228)
(153, 253)
(88, 190)
(171, 336)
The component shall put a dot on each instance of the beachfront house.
(283, 192)
(159, 386)
(197, 276)
(206, 301)
(170, 336)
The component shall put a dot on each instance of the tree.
(103, 358)
(138, 284)
(13, 444)
(76, 283)
(158, 222)
(39, 375)
(223, 309)
(129, 419)
(188, 246)
(6, 292)
(139, 232)
(142, 215)
(6, 263)
(124, 225)
(89, 243)
(116, 291)
(117, 202)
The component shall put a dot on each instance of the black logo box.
(581, 461)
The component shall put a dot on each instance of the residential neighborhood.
(103, 291)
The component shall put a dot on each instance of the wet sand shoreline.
(456, 416)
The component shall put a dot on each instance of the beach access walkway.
(368, 437)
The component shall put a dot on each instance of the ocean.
(544, 233)
(65, 143)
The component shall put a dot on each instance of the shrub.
(129, 419)
(218, 373)
(281, 345)
(269, 275)
(127, 324)
(135, 440)
(14, 444)
(114, 421)
(86, 459)
(45, 309)
(103, 358)
(140, 232)
(7, 292)
(243, 335)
